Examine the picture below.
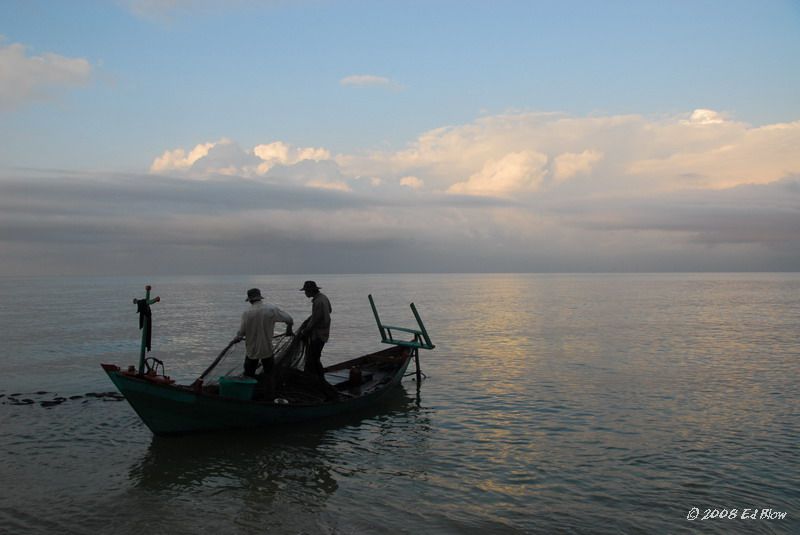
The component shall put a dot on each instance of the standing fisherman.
(257, 329)
(316, 329)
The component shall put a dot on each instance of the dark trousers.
(314, 367)
(313, 356)
(250, 366)
(268, 382)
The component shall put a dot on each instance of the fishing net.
(289, 354)
(289, 379)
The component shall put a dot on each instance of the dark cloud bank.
(58, 224)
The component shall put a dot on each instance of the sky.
(250, 137)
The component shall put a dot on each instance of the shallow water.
(552, 403)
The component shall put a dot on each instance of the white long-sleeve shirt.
(258, 327)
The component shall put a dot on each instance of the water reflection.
(299, 463)
(262, 462)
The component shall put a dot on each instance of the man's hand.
(237, 340)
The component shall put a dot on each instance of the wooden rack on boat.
(421, 340)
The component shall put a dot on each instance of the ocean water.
(551, 404)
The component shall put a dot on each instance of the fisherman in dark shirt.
(316, 329)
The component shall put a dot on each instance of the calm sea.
(552, 404)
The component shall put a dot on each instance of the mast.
(145, 322)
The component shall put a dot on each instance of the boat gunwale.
(401, 352)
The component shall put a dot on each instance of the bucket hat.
(254, 294)
(309, 285)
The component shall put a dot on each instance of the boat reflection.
(295, 462)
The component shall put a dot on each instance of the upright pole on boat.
(420, 340)
(422, 330)
(416, 363)
(143, 306)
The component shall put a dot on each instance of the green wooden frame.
(420, 339)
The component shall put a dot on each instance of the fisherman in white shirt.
(257, 329)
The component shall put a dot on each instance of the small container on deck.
(355, 376)
(237, 387)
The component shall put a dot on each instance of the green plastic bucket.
(237, 387)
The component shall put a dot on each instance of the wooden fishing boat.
(170, 408)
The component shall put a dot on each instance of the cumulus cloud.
(25, 78)
(726, 155)
(180, 159)
(411, 182)
(569, 164)
(225, 157)
(703, 116)
(539, 152)
(281, 153)
(514, 192)
(529, 154)
(513, 172)
(323, 174)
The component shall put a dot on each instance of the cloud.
(529, 154)
(524, 153)
(161, 11)
(25, 78)
(179, 159)
(767, 214)
(703, 116)
(225, 157)
(144, 7)
(368, 80)
(324, 174)
(279, 153)
(411, 182)
(95, 224)
(570, 164)
(513, 192)
(724, 155)
(514, 172)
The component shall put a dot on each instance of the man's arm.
(317, 314)
(240, 333)
(317, 319)
(282, 316)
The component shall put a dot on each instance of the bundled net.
(289, 354)
(289, 377)
(293, 379)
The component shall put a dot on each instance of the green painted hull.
(171, 409)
